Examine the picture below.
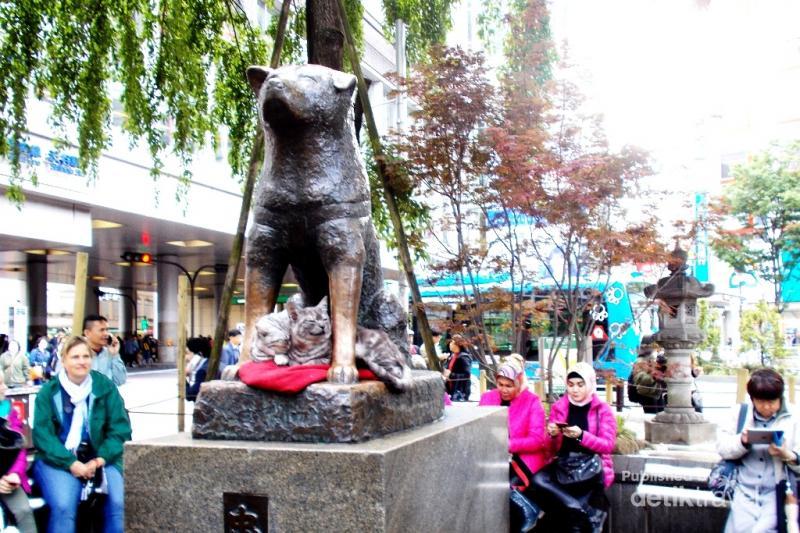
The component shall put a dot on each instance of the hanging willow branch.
(156, 61)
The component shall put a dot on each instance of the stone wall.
(682, 505)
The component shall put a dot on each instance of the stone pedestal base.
(679, 433)
(451, 475)
(323, 412)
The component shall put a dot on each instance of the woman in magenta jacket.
(14, 483)
(580, 423)
(527, 439)
(526, 432)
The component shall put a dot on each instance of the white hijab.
(78, 395)
(586, 372)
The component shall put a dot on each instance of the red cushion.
(266, 375)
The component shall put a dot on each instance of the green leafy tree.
(708, 322)
(764, 201)
(761, 330)
(155, 59)
(428, 22)
(160, 57)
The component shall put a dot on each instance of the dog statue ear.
(344, 82)
(256, 76)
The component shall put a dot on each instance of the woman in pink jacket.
(14, 483)
(526, 432)
(582, 432)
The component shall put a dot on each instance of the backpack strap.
(742, 417)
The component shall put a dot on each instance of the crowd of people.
(80, 422)
(43, 362)
(198, 350)
(560, 462)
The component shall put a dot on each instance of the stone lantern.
(679, 334)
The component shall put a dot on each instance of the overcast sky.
(687, 79)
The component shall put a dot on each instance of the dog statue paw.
(343, 375)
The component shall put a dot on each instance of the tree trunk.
(324, 33)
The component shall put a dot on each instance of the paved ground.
(151, 397)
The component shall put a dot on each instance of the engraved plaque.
(245, 513)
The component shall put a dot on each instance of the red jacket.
(526, 428)
(600, 440)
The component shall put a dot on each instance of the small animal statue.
(309, 332)
(271, 339)
(272, 335)
(312, 211)
(377, 351)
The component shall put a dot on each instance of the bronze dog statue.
(312, 211)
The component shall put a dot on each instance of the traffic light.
(133, 257)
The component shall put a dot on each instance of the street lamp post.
(192, 277)
(101, 293)
(147, 258)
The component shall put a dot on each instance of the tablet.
(764, 436)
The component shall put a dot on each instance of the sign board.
(598, 333)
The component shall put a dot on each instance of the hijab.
(509, 371)
(586, 372)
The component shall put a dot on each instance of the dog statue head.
(297, 95)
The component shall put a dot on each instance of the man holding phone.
(107, 360)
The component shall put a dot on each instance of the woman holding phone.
(762, 465)
(582, 430)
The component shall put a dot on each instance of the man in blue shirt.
(230, 352)
(106, 349)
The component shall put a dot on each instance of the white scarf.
(77, 395)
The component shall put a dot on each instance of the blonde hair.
(72, 342)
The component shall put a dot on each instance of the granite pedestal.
(323, 412)
(450, 475)
(679, 433)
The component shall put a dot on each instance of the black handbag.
(577, 467)
(11, 443)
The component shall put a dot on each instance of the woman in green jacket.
(79, 412)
